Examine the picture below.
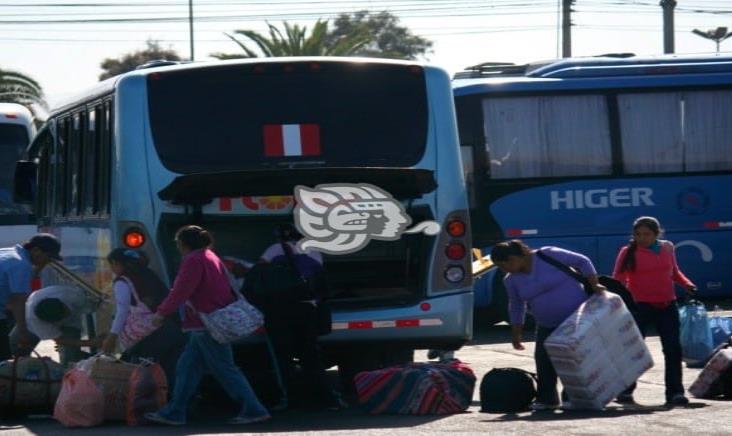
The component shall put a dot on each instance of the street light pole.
(717, 35)
(190, 26)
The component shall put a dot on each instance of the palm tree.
(16, 87)
(295, 42)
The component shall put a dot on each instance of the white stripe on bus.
(366, 325)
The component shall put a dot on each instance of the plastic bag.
(80, 402)
(148, 392)
(721, 327)
(696, 335)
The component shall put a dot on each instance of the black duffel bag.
(507, 390)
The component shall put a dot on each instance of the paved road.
(490, 349)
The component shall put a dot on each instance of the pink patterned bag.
(138, 324)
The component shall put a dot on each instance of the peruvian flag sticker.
(281, 140)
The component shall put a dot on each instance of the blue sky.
(62, 42)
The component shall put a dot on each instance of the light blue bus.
(16, 131)
(570, 152)
(144, 153)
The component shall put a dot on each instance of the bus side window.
(104, 156)
(44, 144)
(88, 169)
(59, 161)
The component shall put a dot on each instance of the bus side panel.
(595, 217)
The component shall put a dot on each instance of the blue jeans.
(202, 353)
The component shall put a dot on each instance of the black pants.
(293, 333)
(4, 340)
(546, 391)
(667, 325)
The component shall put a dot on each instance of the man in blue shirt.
(18, 266)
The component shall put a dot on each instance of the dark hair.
(51, 310)
(149, 287)
(653, 225)
(287, 232)
(194, 237)
(514, 247)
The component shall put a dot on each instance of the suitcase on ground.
(29, 385)
(716, 377)
(417, 389)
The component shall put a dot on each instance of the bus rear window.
(265, 115)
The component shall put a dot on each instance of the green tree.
(130, 61)
(295, 41)
(16, 87)
(389, 39)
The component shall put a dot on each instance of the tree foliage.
(295, 41)
(130, 61)
(389, 39)
(16, 87)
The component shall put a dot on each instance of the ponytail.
(194, 237)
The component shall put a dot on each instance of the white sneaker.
(537, 406)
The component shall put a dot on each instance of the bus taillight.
(12, 116)
(456, 228)
(455, 250)
(134, 238)
(454, 274)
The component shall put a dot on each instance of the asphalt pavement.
(490, 348)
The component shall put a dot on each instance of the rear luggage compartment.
(384, 273)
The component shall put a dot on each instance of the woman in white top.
(135, 283)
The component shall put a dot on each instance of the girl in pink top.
(203, 282)
(647, 267)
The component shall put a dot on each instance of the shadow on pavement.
(608, 412)
(290, 421)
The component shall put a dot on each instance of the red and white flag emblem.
(291, 140)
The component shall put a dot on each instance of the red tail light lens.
(134, 238)
(455, 251)
(456, 228)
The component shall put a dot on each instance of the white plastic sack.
(598, 351)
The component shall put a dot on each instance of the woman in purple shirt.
(549, 293)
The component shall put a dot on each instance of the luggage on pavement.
(29, 385)
(598, 351)
(417, 388)
(721, 329)
(716, 377)
(697, 343)
(507, 390)
(81, 402)
(148, 392)
(128, 390)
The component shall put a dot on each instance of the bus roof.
(107, 86)
(597, 72)
(14, 113)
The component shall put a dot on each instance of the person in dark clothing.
(293, 326)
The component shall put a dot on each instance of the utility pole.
(668, 25)
(190, 26)
(567, 28)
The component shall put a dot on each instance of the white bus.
(144, 153)
(16, 132)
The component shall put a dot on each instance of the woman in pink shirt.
(202, 281)
(647, 267)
